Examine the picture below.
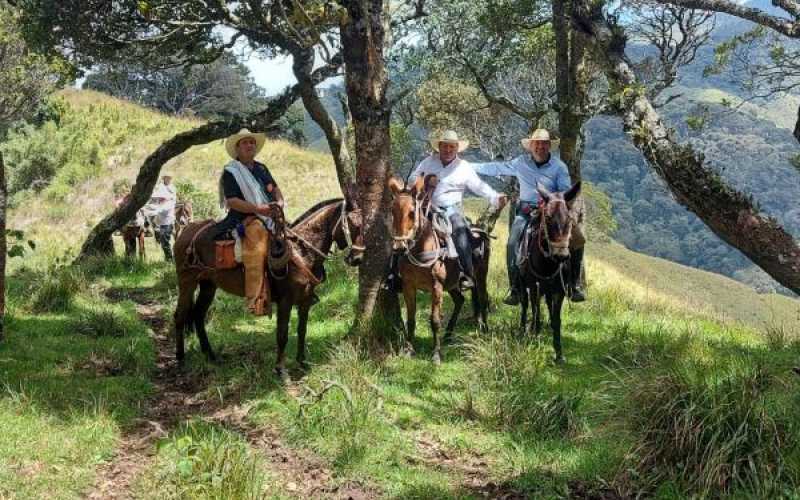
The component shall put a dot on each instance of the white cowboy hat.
(448, 136)
(232, 141)
(539, 134)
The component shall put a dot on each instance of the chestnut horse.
(312, 235)
(133, 235)
(544, 266)
(424, 264)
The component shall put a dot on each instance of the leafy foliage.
(216, 90)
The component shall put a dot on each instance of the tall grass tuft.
(342, 409)
(512, 391)
(715, 431)
(102, 322)
(203, 461)
(54, 290)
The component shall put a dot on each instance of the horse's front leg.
(437, 295)
(282, 336)
(523, 304)
(458, 302)
(302, 325)
(554, 303)
(536, 302)
(410, 298)
(141, 245)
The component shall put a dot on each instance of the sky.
(273, 74)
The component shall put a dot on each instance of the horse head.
(350, 230)
(555, 223)
(406, 211)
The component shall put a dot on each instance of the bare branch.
(758, 16)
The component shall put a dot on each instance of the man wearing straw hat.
(538, 166)
(454, 176)
(246, 188)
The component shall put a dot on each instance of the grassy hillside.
(678, 382)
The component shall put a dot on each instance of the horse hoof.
(437, 359)
(304, 365)
(482, 327)
(560, 360)
(408, 350)
(282, 373)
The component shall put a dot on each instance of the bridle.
(346, 230)
(419, 216)
(544, 236)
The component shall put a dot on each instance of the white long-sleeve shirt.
(163, 213)
(453, 180)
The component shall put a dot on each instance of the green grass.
(658, 350)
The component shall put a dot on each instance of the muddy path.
(180, 396)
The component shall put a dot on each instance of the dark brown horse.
(424, 264)
(133, 236)
(544, 270)
(312, 235)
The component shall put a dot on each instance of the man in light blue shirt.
(537, 167)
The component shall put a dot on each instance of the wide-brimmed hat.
(448, 136)
(232, 141)
(539, 134)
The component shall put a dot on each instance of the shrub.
(54, 290)
(511, 390)
(203, 461)
(205, 205)
(715, 430)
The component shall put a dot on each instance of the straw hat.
(448, 136)
(232, 141)
(539, 134)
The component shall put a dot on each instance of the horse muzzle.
(354, 258)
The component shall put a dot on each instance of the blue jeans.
(514, 235)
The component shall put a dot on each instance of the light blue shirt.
(553, 175)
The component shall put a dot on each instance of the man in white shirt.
(161, 210)
(454, 176)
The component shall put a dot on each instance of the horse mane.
(314, 209)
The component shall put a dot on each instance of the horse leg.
(302, 324)
(183, 315)
(282, 334)
(536, 302)
(523, 304)
(437, 295)
(554, 304)
(140, 239)
(410, 298)
(458, 302)
(482, 306)
(201, 305)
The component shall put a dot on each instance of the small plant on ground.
(102, 322)
(55, 289)
(203, 461)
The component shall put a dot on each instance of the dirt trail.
(179, 397)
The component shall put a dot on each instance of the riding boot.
(512, 298)
(576, 270)
(461, 237)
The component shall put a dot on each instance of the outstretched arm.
(496, 168)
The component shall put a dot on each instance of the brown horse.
(312, 235)
(424, 264)
(545, 247)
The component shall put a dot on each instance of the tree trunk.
(303, 62)
(729, 213)
(363, 34)
(99, 239)
(3, 245)
(571, 87)
(797, 126)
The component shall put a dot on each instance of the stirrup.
(512, 298)
(465, 281)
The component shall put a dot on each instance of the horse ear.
(430, 182)
(570, 195)
(419, 185)
(394, 185)
(543, 192)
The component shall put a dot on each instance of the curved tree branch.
(730, 214)
(780, 24)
